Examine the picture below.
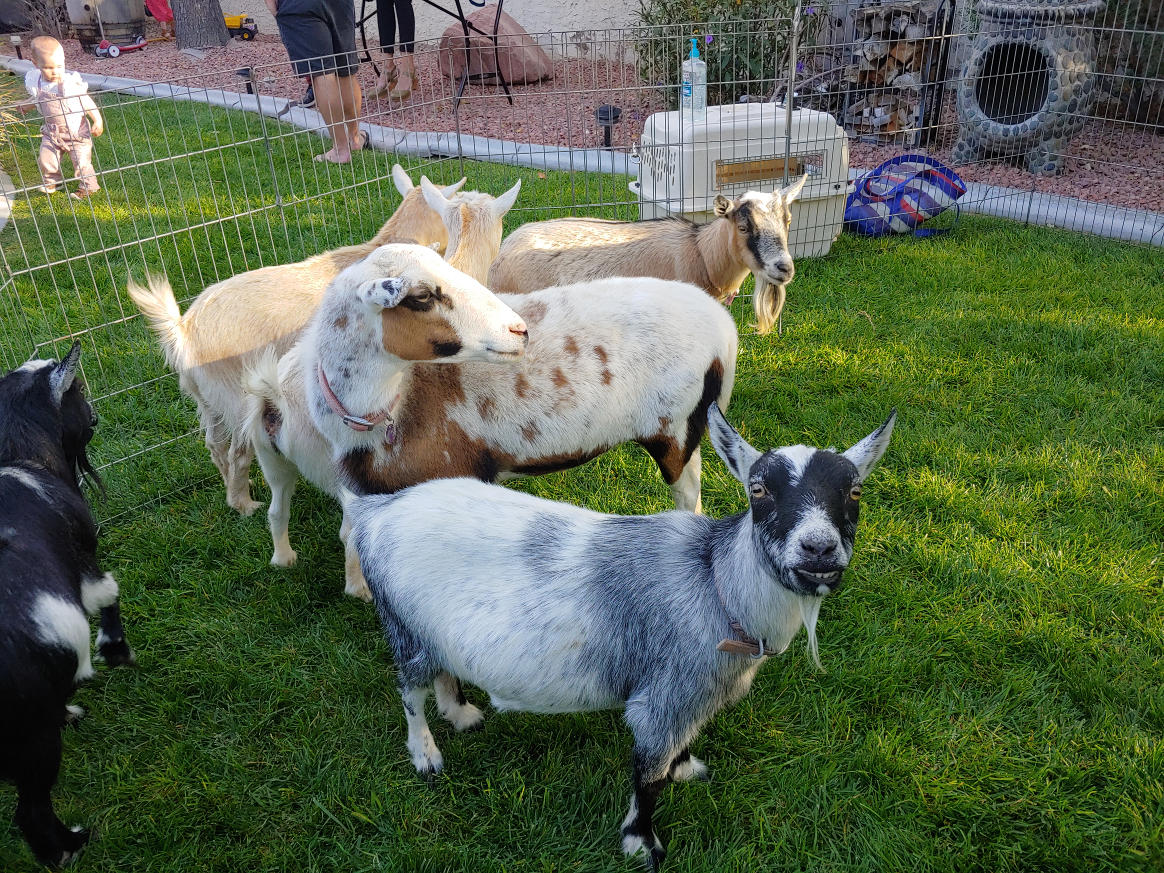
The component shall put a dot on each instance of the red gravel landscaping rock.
(1111, 163)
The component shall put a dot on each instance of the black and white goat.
(552, 608)
(49, 583)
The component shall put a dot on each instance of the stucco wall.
(536, 16)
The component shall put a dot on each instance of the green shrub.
(744, 43)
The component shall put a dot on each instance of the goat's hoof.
(115, 653)
(359, 590)
(244, 506)
(70, 845)
(428, 773)
(428, 765)
(653, 852)
(285, 560)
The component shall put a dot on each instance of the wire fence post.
(790, 88)
(253, 89)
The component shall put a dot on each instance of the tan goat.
(749, 234)
(234, 321)
(474, 223)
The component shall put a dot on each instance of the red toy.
(106, 49)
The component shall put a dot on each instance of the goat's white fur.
(63, 624)
(99, 592)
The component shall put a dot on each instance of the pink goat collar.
(355, 422)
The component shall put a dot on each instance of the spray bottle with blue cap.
(693, 86)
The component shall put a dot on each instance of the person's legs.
(330, 102)
(81, 151)
(49, 161)
(353, 103)
(406, 68)
(386, 25)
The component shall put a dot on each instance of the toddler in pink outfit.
(71, 118)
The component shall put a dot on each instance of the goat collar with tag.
(745, 643)
(356, 422)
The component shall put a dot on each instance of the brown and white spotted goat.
(235, 320)
(387, 384)
(749, 234)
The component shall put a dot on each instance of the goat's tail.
(768, 302)
(156, 302)
(260, 381)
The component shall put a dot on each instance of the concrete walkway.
(1113, 222)
(6, 189)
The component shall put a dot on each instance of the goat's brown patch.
(485, 408)
(416, 336)
(553, 463)
(532, 313)
(559, 378)
(697, 421)
(530, 431)
(667, 454)
(601, 353)
(571, 346)
(606, 377)
(664, 424)
(340, 323)
(521, 385)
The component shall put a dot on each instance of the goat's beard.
(768, 302)
(809, 612)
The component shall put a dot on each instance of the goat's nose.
(784, 267)
(818, 545)
(520, 329)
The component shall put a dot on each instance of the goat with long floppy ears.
(748, 234)
(552, 608)
(238, 319)
(50, 581)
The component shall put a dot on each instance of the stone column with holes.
(1027, 83)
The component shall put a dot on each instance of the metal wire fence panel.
(1052, 112)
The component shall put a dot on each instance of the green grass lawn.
(994, 694)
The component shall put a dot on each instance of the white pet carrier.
(682, 167)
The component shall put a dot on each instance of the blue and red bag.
(901, 194)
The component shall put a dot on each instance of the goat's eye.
(855, 492)
(757, 490)
(423, 296)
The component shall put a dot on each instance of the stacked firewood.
(896, 50)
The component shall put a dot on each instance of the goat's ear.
(793, 191)
(433, 197)
(729, 445)
(868, 452)
(385, 293)
(722, 205)
(505, 202)
(402, 180)
(450, 190)
(61, 378)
